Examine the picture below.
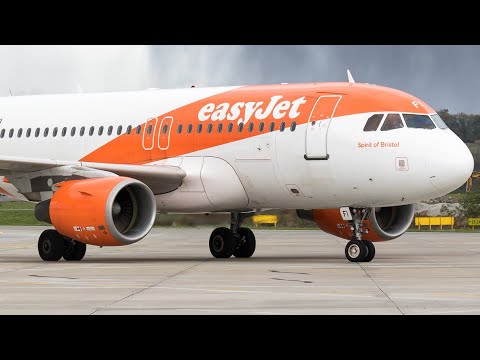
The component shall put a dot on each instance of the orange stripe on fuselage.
(277, 103)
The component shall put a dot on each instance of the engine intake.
(391, 222)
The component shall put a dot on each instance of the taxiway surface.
(171, 271)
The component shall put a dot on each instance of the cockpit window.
(373, 122)
(439, 121)
(418, 121)
(393, 121)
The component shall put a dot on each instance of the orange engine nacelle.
(104, 212)
(386, 223)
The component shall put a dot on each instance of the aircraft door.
(317, 128)
(164, 133)
(149, 134)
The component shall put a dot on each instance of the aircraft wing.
(9, 164)
(20, 171)
(160, 178)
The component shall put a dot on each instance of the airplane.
(352, 157)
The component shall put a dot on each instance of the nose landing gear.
(358, 250)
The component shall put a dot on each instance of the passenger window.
(91, 131)
(209, 128)
(282, 126)
(119, 130)
(45, 132)
(240, 127)
(392, 121)
(220, 128)
(165, 129)
(64, 131)
(250, 127)
(19, 134)
(110, 130)
(82, 131)
(129, 129)
(27, 134)
(37, 132)
(293, 126)
(139, 129)
(10, 134)
(272, 126)
(72, 132)
(180, 128)
(230, 128)
(199, 128)
(373, 122)
(418, 121)
(439, 121)
(149, 129)
(54, 132)
(261, 126)
(2, 133)
(100, 131)
(189, 128)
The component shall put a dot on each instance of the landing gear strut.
(52, 246)
(237, 241)
(358, 250)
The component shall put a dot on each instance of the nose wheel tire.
(50, 245)
(74, 250)
(247, 245)
(222, 243)
(371, 251)
(356, 251)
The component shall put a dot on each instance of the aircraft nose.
(451, 167)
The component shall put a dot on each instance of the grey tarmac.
(171, 271)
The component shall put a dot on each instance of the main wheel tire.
(356, 251)
(222, 243)
(74, 250)
(371, 251)
(247, 248)
(50, 245)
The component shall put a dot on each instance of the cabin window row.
(231, 127)
(64, 131)
(138, 129)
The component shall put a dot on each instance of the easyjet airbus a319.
(352, 157)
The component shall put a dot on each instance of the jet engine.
(382, 224)
(110, 211)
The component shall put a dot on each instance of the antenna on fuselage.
(350, 77)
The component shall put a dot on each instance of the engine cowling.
(111, 211)
(385, 223)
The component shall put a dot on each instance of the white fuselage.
(269, 170)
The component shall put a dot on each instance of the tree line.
(466, 126)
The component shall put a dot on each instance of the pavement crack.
(379, 288)
(149, 287)
(288, 272)
(54, 277)
(302, 281)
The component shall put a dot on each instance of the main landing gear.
(237, 241)
(52, 246)
(358, 250)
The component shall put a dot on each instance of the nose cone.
(451, 166)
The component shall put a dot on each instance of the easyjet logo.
(243, 112)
